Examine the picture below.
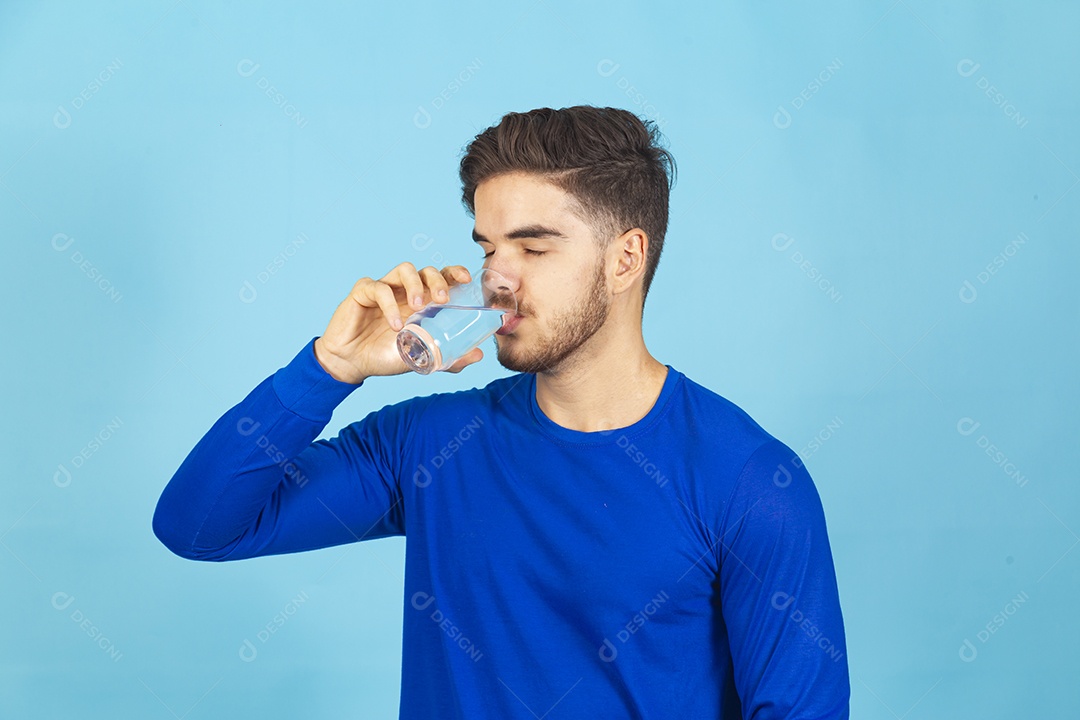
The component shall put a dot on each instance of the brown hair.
(607, 159)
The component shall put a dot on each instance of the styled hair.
(607, 159)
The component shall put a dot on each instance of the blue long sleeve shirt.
(675, 568)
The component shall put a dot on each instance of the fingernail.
(396, 323)
(442, 293)
(417, 300)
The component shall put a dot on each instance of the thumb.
(474, 355)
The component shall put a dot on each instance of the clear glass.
(440, 334)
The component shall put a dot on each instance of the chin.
(511, 359)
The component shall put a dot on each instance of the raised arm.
(258, 484)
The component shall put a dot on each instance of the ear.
(631, 249)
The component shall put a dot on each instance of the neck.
(612, 381)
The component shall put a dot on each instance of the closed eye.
(527, 252)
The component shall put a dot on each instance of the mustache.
(504, 302)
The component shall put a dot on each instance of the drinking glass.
(440, 334)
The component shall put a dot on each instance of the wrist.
(334, 366)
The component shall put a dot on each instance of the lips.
(510, 321)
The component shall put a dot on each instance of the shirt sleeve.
(779, 595)
(259, 484)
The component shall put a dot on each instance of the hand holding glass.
(440, 334)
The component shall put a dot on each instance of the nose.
(503, 283)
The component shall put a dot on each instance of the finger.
(360, 294)
(406, 276)
(379, 294)
(436, 284)
(474, 355)
(456, 274)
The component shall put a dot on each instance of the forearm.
(222, 486)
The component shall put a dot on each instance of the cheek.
(556, 284)
(550, 290)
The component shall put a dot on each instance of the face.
(557, 277)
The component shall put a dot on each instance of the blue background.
(875, 215)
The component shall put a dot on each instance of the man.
(594, 536)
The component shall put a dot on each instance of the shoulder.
(406, 414)
(757, 465)
(719, 424)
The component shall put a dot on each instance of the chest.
(608, 528)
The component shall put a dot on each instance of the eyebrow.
(529, 231)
